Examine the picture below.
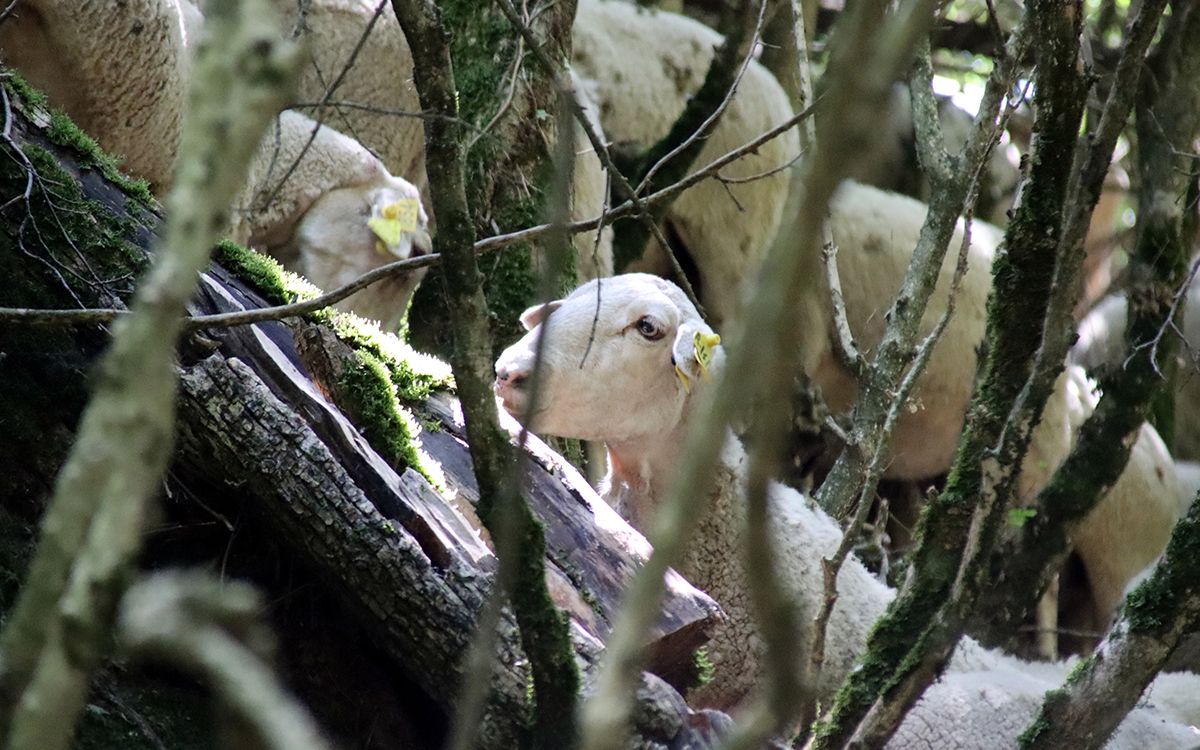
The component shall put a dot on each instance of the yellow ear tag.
(387, 230)
(683, 378)
(405, 211)
(394, 220)
(702, 344)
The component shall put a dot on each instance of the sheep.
(641, 66)
(119, 73)
(634, 390)
(876, 232)
(644, 352)
(380, 81)
(1101, 345)
(325, 221)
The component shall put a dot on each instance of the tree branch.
(1167, 112)
(92, 529)
(983, 477)
(1103, 689)
(867, 57)
(544, 631)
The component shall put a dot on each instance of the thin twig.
(843, 341)
(490, 244)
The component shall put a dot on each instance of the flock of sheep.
(335, 200)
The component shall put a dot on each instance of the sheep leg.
(1047, 622)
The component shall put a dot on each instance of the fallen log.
(410, 565)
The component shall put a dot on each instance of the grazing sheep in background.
(641, 66)
(634, 390)
(319, 222)
(120, 73)
(1102, 345)
(876, 232)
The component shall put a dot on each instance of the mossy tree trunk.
(508, 110)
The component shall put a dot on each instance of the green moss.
(63, 132)
(66, 133)
(703, 666)
(263, 273)
(1038, 726)
(85, 258)
(367, 389)
(17, 84)
(387, 372)
(1077, 673)
(890, 643)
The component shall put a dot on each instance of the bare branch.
(92, 528)
(843, 341)
(860, 72)
(187, 620)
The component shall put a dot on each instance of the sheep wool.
(317, 220)
(120, 74)
(641, 66)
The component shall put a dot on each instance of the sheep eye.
(648, 329)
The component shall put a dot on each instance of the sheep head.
(622, 357)
(351, 230)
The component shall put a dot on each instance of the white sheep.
(119, 72)
(1101, 344)
(329, 219)
(641, 66)
(634, 390)
(379, 84)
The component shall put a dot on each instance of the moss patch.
(62, 131)
(704, 667)
(387, 373)
(1155, 604)
(390, 428)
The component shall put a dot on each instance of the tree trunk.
(330, 519)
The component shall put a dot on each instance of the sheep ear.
(536, 314)
(695, 352)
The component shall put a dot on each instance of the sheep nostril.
(510, 378)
